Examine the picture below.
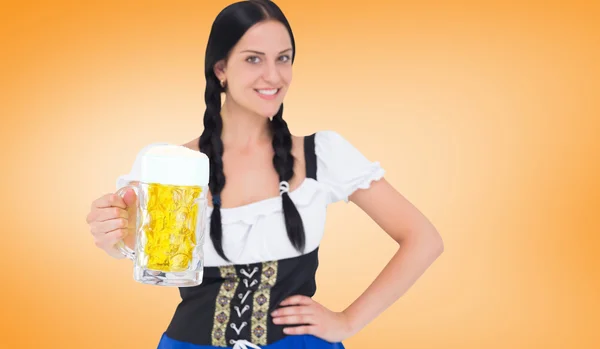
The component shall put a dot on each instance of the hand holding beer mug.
(171, 217)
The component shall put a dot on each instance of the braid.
(210, 143)
(283, 161)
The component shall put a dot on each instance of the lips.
(268, 94)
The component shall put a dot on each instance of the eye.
(284, 58)
(252, 59)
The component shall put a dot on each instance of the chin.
(268, 112)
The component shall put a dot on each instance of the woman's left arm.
(419, 245)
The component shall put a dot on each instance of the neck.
(243, 128)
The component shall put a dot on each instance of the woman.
(269, 192)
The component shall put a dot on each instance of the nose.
(272, 74)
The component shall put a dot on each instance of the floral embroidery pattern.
(260, 306)
(223, 305)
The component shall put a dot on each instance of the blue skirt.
(292, 341)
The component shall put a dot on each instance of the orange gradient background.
(485, 116)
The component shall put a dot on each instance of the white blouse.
(256, 232)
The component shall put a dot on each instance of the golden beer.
(168, 228)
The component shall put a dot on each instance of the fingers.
(299, 314)
(105, 214)
(129, 197)
(295, 320)
(297, 300)
(293, 310)
(109, 200)
(101, 228)
(107, 241)
(301, 330)
(109, 222)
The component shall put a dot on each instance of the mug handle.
(124, 249)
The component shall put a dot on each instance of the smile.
(268, 93)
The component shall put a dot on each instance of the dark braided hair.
(229, 26)
(284, 164)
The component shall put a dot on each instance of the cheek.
(287, 74)
(239, 89)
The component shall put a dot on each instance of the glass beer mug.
(171, 217)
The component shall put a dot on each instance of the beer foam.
(174, 150)
(175, 165)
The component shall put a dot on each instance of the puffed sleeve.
(134, 173)
(341, 167)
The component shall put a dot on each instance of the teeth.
(268, 92)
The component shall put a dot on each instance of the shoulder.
(325, 144)
(327, 138)
(341, 166)
(193, 144)
(333, 146)
(330, 138)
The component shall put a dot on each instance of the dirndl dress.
(232, 307)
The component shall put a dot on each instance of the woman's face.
(258, 70)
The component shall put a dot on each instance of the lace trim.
(363, 181)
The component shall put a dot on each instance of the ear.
(219, 70)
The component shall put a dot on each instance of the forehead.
(270, 37)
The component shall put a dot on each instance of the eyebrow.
(262, 53)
